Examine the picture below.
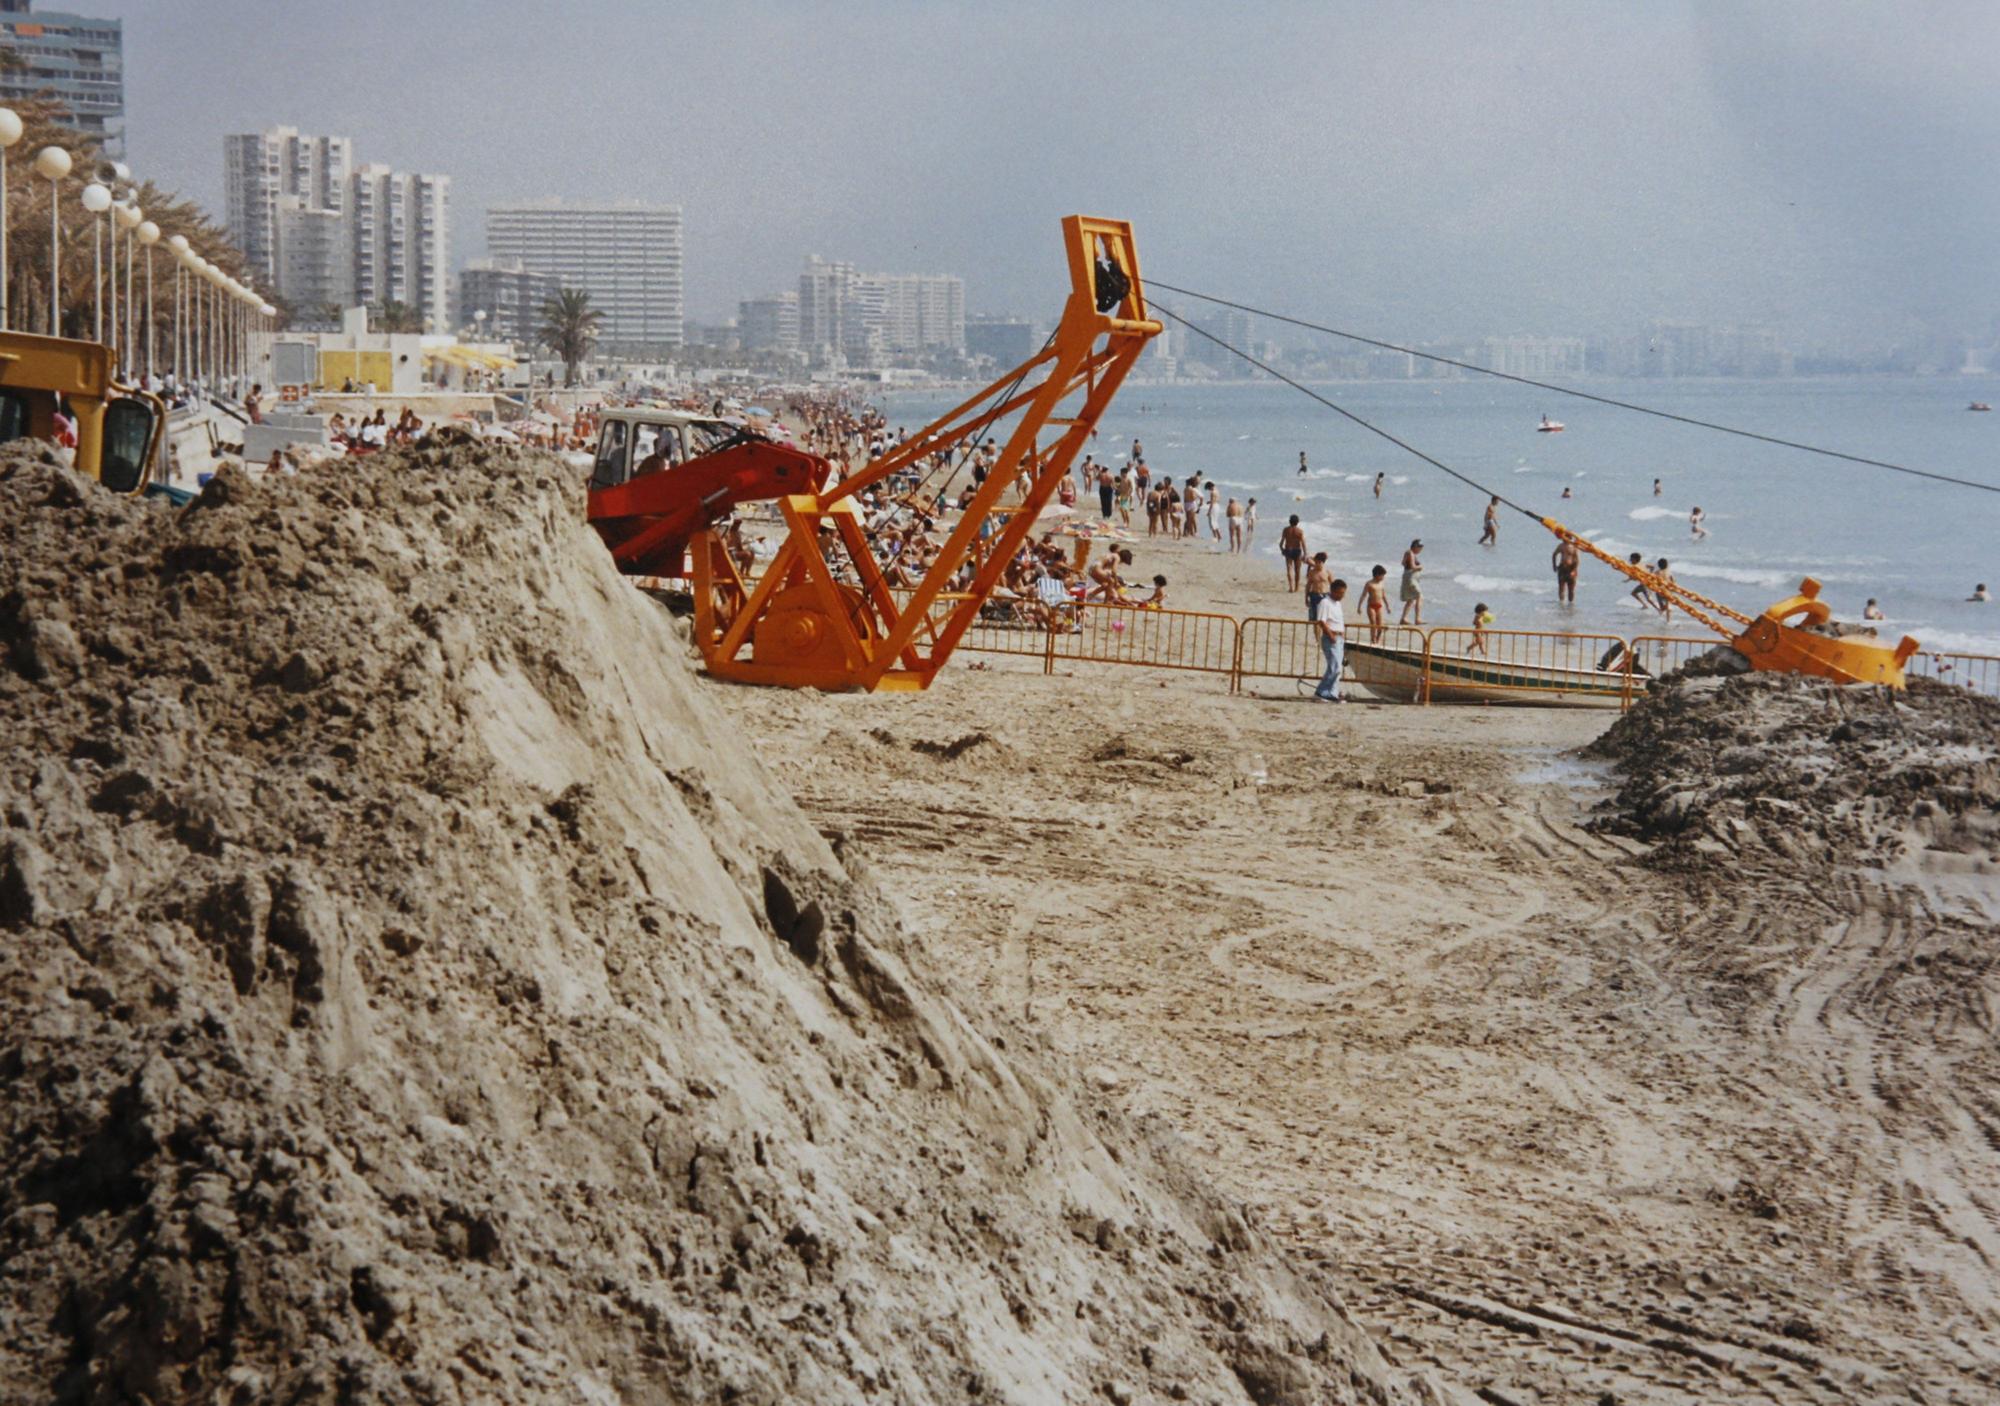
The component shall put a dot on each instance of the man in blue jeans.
(1330, 621)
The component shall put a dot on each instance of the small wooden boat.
(1549, 426)
(1472, 678)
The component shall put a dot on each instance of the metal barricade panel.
(1388, 661)
(1978, 672)
(1159, 639)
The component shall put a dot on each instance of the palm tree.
(569, 328)
(394, 316)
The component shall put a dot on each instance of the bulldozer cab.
(117, 429)
(634, 440)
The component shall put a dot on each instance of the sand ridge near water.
(1571, 1108)
(413, 988)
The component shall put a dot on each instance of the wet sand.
(1564, 1126)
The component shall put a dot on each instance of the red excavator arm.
(649, 520)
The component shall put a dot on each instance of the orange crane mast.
(823, 615)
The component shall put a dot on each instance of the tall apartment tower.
(627, 257)
(319, 230)
(769, 323)
(260, 169)
(77, 60)
(825, 289)
(401, 251)
(863, 318)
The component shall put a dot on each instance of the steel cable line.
(1152, 283)
(1340, 410)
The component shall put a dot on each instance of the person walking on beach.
(1234, 515)
(1375, 598)
(1318, 578)
(1331, 623)
(1210, 506)
(1412, 591)
(1249, 523)
(1126, 488)
(1191, 508)
(1107, 491)
(1378, 484)
(1661, 598)
(1565, 560)
(1491, 536)
(1292, 547)
(1303, 470)
(1698, 524)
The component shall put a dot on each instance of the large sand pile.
(412, 989)
(1802, 771)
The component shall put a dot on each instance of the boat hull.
(1460, 678)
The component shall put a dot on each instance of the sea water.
(1774, 515)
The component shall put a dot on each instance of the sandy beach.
(1561, 1124)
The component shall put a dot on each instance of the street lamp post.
(52, 163)
(119, 174)
(11, 129)
(179, 245)
(96, 199)
(149, 235)
(130, 217)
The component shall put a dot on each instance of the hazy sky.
(1416, 169)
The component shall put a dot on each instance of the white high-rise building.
(627, 257)
(315, 229)
(314, 273)
(261, 168)
(770, 323)
(401, 233)
(865, 318)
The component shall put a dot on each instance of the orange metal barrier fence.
(1389, 660)
(1444, 663)
(1160, 639)
(1978, 672)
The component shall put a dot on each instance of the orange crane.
(823, 615)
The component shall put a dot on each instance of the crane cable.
(1152, 283)
(1373, 429)
(1692, 602)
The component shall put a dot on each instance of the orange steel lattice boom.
(823, 615)
(1769, 641)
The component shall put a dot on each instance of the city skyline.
(1583, 170)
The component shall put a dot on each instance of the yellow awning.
(469, 359)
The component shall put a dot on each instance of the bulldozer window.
(14, 419)
(709, 433)
(128, 433)
(610, 470)
(659, 447)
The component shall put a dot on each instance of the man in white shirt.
(1330, 620)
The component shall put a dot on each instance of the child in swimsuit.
(1375, 596)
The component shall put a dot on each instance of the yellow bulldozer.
(117, 427)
